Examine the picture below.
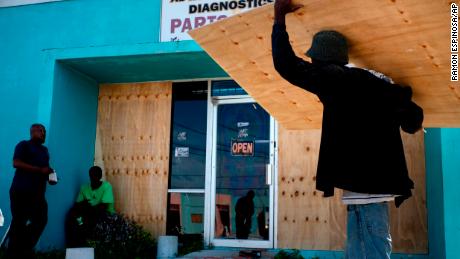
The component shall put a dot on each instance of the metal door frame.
(210, 182)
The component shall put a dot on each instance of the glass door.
(242, 165)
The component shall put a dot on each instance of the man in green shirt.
(97, 193)
(94, 203)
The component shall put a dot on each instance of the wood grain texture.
(306, 220)
(406, 40)
(409, 222)
(132, 146)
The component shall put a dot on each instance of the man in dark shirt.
(361, 150)
(27, 194)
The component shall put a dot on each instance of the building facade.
(72, 65)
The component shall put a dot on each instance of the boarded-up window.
(132, 146)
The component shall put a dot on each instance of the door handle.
(268, 174)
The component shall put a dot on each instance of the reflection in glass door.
(242, 178)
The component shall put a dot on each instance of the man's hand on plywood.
(283, 7)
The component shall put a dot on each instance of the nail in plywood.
(132, 146)
(306, 220)
(406, 40)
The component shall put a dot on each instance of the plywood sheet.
(132, 146)
(306, 220)
(406, 40)
(409, 222)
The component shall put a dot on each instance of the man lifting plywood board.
(361, 148)
(406, 40)
(365, 159)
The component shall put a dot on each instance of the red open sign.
(242, 148)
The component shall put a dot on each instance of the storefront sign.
(242, 124)
(182, 152)
(242, 148)
(180, 16)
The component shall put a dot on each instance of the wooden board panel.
(409, 222)
(306, 220)
(132, 146)
(406, 40)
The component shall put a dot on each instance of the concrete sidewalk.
(225, 254)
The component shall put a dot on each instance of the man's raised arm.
(292, 68)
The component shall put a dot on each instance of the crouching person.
(94, 202)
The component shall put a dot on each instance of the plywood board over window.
(132, 146)
(306, 220)
(406, 40)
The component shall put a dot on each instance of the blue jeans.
(368, 232)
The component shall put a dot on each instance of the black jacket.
(361, 148)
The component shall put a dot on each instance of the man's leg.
(38, 220)
(239, 222)
(18, 228)
(377, 238)
(355, 242)
(248, 225)
(74, 228)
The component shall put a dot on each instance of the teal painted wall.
(71, 143)
(192, 204)
(42, 47)
(451, 174)
(434, 192)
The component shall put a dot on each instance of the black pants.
(243, 227)
(30, 215)
(78, 232)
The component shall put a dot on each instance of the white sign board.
(180, 16)
(8, 3)
(182, 152)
